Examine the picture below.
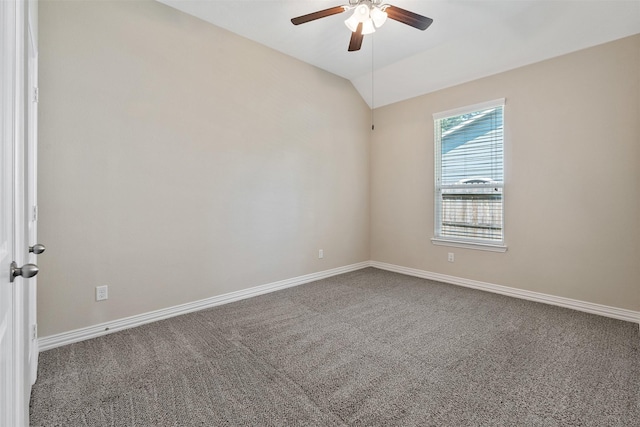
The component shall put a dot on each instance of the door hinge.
(36, 95)
(34, 331)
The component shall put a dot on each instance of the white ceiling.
(468, 39)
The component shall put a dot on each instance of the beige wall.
(179, 161)
(572, 171)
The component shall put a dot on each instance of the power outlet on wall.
(450, 257)
(102, 293)
(320, 253)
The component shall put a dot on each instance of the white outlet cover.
(102, 293)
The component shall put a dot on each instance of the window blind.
(469, 181)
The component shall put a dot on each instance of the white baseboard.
(53, 341)
(57, 340)
(588, 307)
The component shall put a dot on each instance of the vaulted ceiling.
(468, 39)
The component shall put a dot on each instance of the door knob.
(37, 249)
(26, 271)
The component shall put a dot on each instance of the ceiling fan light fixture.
(360, 14)
(367, 27)
(378, 16)
(352, 23)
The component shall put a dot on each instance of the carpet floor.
(366, 348)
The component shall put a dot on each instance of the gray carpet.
(367, 348)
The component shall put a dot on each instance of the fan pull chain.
(372, 87)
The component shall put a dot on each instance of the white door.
(6, 217)
(7, 297)
(14, 293)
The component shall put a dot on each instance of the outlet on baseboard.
(102, 293)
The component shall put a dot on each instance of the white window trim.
(500, 102)
(491, 247)
(478, 245)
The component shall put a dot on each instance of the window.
(469, 181)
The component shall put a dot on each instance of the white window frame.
(487, 245)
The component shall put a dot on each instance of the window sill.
(469, 245)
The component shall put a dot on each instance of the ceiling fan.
(367, 16)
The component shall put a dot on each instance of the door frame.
(14, 68)
(31, 197)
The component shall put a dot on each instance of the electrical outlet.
(102, 293)
(320, 253)
(450, 257)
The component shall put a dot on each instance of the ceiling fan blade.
(406, 17)
(356, 39)
(317, 15)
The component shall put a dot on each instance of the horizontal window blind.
(469, 155)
